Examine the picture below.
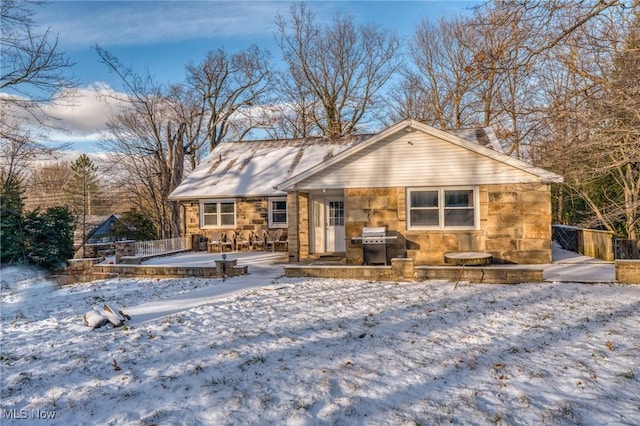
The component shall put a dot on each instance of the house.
(436, 191)
(98, 234)
(234, 188)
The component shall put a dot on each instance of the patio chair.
(229, 240)
(243, 238)
(272, 238)
(217, 238)
(259, 238)
(282, 242)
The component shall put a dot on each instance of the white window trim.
(441, 208)
(218, 202)
(273, 224)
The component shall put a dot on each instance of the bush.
(43, 239)
(135, 225)
(49, 237)
(12, 240)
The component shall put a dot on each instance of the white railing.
(148, 248)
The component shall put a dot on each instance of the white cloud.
(78, 118)
(88, 111)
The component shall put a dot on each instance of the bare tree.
(484, 70)
(34, 73)
(293, 112)
(556, 80)
(231, 87)
(148, 143)
(620, 113)
(512, 40)
(343, 66)
(46, 186)
(600, 147)
(437, 87)
(164, 129)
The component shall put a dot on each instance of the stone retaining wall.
(125, 249)
(483, 275)
(628, 271)
(89, 271)
(404, 270)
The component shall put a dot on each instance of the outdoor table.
(468, 258)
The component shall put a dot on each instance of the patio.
(566, 267)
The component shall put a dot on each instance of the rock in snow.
(97, 318)
(94, 318)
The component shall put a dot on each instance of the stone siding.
(251, 214)
(515, 225)
(125, 249)
(366, 207)
(304, 239)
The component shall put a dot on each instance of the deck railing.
(148, 248)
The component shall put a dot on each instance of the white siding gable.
(416, 159)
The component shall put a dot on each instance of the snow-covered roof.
(483, 136)
(254, 168)
(257, 168)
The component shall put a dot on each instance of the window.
(336, 213)
(218, 214)
(278, 212)
(439, 208)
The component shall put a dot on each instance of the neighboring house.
(99, 232)
(436, 191)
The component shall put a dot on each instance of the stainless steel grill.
(374, 245)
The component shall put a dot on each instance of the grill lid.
(374, 231)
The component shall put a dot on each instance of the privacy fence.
(595, 243)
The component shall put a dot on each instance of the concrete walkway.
(569, 266)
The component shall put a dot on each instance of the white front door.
(328, 225)
(334, 229)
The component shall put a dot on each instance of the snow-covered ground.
(263, 349)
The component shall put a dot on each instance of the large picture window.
(441, 208)
(218, 214)
(278, 212)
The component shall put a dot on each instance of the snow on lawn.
(312, 351)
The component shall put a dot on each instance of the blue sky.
(163, 36)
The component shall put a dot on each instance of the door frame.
(318, 234)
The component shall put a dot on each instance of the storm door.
(328, 225)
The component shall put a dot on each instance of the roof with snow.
(256, 168)
(483, 136)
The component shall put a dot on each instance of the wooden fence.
(590, 242)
